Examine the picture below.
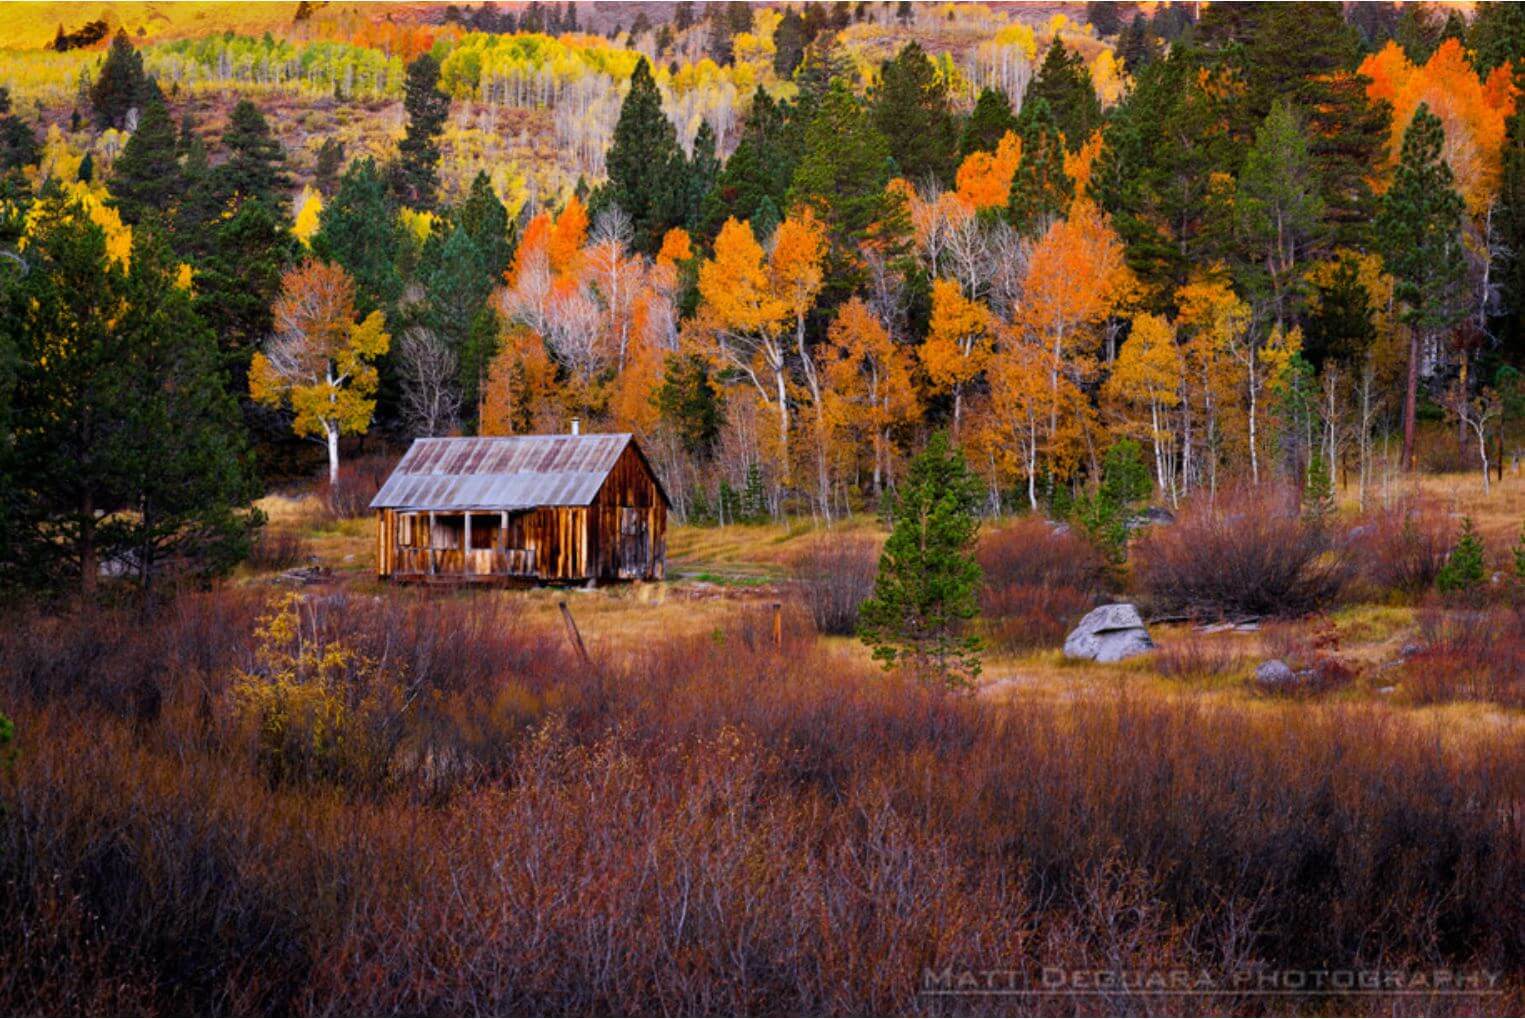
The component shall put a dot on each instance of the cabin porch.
(485, 544)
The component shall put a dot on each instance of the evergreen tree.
(647, 171)
(910, 110)
(457, 286)
(1419, 230)
(485, 221)
(121, 87)
(415, 177)
(1511, 226)
(928, 578)
(1466, 567)
(1497, 36)
(760, 169)
(192, 497)
(146, 177)
(358, 229)
(703, 172)
(1040, 190)
(690, 404)
(18, 142)
(1137, 47)
(256, 163)
(1279, 211)
(987, 123)
(1064, 84)
(111, 364)
(1318, 490)
(1519, 557)
(789, 42)
(1340, 329)
(330, 163)
(841, 177)
(238, 278)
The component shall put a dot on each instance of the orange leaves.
(676, 247)
(1472, 113)
(1149, 366)
(1076, 278)
(565, 242)
(984, 179)
(868, 374)
(735, 286)
(959, 338)
(1077, 165)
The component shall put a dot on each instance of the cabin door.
(635, 543)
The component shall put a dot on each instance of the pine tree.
(1497, 36)
(759, 169)
(238, 278)
(690, 404)
(325, 175)
(1519, 557)
(485, 220)
(647, 170)
(1040, 190)
(1511, 227)
(1466, 566)
(1318, 489)
(789, 42)
(358, 229)
(1279, 211)
(928, 577)
(1103, 17)
(1064, 83)
(987, 123)
(146, 177)
(121, 86)
(256, 163)
(1419, 230)
(910, 110)
(18, 142)
(703, 171)
(1137, 47)
(415, 175)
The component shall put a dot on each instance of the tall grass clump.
(1249, 553)
(1039, 579)
(834, 575)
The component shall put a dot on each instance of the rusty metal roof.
(501, 472)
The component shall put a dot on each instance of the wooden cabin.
(522, 508)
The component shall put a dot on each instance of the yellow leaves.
(1149, 366)
(959, 338)
(419, 224)
(799, 245)
(984, 178)
(1018, 35)
(309, 207)
(1277, 353)
(735, 287)
(320, 361)
(184, 277)
(92, 200)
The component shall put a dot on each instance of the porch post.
(430, 545)
(466, 545)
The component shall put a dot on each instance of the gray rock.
(1154, 515)
(1109, 634)
(1275, 675)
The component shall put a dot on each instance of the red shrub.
(359, 481)
(1468, 654)
(1400, 550)
(1199, 656)
(834, 575)
(1250, 554)
(1039, 579)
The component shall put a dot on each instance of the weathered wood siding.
(622, 535)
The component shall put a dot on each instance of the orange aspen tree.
(1147, 374)
(1076, 278)
(320, 361)
(984, 178)
(796, 274)
(740, 311)
(958, 343)
(868, 382)
(1021, 401)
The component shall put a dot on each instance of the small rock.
(1150, 517)
(1275, 676)
(1410, 650)
(1109, 634)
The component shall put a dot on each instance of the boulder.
(1151, 517)
(1275, 676)
(1109, 634)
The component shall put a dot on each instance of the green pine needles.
(928, 577)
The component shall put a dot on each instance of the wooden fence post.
(778, 625)
(573, 635)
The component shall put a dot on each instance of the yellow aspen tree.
(958, 343)
(320, 361)
(1021, 400)
(746, 320)
(1216, 322)
(1147, 376)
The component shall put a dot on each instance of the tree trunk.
(1411, 401)
(333, 455)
